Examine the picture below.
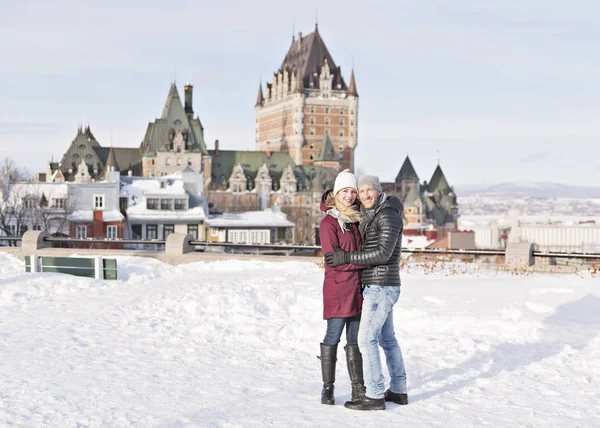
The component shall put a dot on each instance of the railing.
(296, 247)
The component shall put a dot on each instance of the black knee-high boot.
(355, 370)
(328, 359)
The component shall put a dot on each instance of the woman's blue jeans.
(335, 326)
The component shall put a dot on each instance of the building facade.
(427, 204)
(308, 100)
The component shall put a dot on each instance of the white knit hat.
(345, 179)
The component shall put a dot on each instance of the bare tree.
(24, 204)
(14, 211)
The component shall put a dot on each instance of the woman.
(342, 298)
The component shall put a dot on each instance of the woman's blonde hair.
(333, 201)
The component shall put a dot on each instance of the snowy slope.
(233, 344)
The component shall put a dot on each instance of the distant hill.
(528, 189)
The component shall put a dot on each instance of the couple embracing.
(361, 238)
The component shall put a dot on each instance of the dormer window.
(98, 202)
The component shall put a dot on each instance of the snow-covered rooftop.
(88, 216)
(266, 218)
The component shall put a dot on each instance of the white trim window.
(111, 232)
(98, 202)
(81, 232)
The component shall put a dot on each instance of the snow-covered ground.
(234, 344)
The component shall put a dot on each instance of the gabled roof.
(326, 151)
(407, 171)
(438, 181)
(307, 54)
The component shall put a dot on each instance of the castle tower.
(307, 100)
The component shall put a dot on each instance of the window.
(312, 131)
(81, 232)
(341, 133)
(136, 231)
(311, 156)
(312, 109)
(351, 123)
(23, 229)
(151, 231)
(166, 204)
(168, 161)
(111, 232)
(37, 227)
(179, 204)
(214, 231)
(167, 230)
(98, 202)
(326, 110)
(342, 110)
(29, 202)
(312, 120)
(326, 131)
(178, 159)
(59, 202)
(193, 230)
(152, 204)
(153, 162)
(312, 146)
(341, 122)
(326, 121)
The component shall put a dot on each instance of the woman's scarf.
(342, 219)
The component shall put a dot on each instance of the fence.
(515, 253)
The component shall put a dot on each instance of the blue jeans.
(377, 328)
(335, 327)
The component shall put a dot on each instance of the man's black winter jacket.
(382, 242)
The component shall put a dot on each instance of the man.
(381, 230)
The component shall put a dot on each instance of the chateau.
(307, 103)
(306, 132)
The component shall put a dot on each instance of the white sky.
(504, 91)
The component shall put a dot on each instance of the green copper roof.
(412, 197)
(438, 181)
(326, 151)
(172, 121)
(308, 177)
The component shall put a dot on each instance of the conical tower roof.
(111, 161)
(326, 151)
(260, 98)
(438, 181)
(413, 196)
(352, 87)
(407, 171)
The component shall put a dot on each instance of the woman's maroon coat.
(342, 296)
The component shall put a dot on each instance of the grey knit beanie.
(370, 180)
